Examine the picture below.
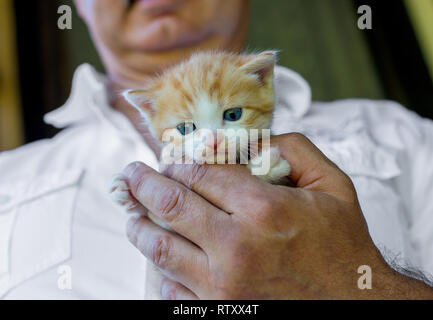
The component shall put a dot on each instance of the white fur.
(279, 170)
(120, 194)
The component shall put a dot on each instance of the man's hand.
(241, 238)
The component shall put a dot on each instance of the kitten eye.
(233, 114)
(186, 128)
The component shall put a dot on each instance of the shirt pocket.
(35, 224)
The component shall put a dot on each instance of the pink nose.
(213, 145)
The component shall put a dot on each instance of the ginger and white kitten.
(188, 102)
(211, 91)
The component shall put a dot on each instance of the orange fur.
(200, 89)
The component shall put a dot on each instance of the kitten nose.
(213, 144)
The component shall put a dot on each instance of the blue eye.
(186, 128)
(233, 114)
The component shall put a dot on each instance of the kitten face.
(209, 92)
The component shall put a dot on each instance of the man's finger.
(311, 169)
(171, 290)
(181, 209)
(226, 186)
(176, 257)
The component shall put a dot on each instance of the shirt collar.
(89, 101)
(292, 91)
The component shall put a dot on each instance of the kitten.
(191, 101)
(211, 91)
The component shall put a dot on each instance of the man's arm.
(241, 238)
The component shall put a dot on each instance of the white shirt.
(61, 237)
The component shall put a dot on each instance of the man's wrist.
(388, 283)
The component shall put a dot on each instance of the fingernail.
(130, 169)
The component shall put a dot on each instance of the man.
(237, 237)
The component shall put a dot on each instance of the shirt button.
(4, 199)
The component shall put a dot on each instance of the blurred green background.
(320, 40)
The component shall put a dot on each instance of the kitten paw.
(279, 172)
(279, 169)
(120, 193)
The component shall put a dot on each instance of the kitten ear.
(262, 65)
(140, 100)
